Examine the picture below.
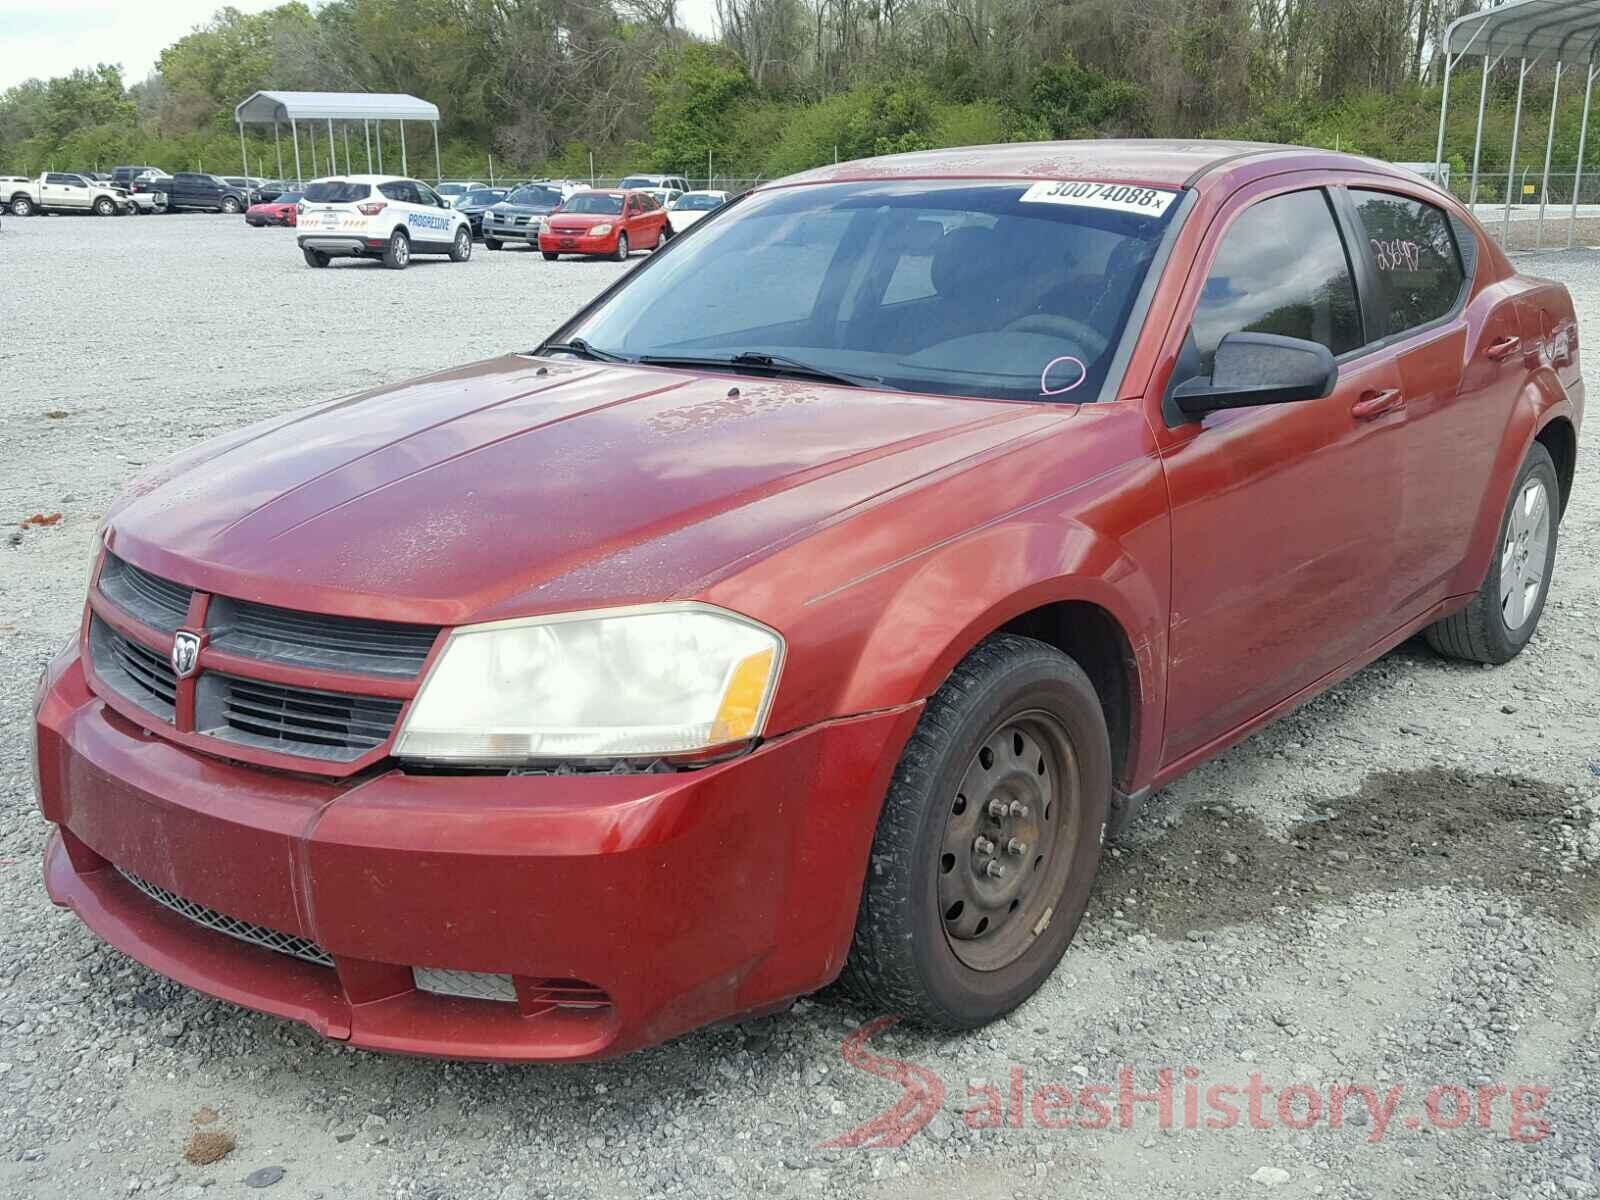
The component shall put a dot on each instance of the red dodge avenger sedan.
(813, 603)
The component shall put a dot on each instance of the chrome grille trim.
(257, 935)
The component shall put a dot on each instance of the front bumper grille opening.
(541, 995)
(134, 672)
(257, 935)
(302, 721)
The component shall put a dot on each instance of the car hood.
(519, 485)
(536, 209)
(584, 220)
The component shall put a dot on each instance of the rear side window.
(401, 191)
(1281, 269)
(336, 191)
(1418, 267)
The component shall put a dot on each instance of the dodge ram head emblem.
(185, 654)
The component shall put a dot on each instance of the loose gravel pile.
(1393, 888)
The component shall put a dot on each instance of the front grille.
(257, 935)
(292, 720)
(318, 640)
(155, 601)
(134, 672)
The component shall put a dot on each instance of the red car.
(607, 223)
(815, 601)
(282, 211)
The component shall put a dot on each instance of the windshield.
(640, 181)
(337, 191)
(538, 197)
(451, 189)
(593, 202)
(487, 196)
(694, 203)
(1000, 290)
(289, 198)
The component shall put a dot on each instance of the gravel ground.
(1395, 887)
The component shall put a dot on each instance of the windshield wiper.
(778, 364)
(582, 349)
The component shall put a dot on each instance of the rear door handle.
(1375, 404)
(1503, 348)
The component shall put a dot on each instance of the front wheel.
(104, 207)
(397, 254)
(988, 841)
(1500, 620)
(230, 206)
(491, 243)
(461, 248)
(549, 255)
(621, 252)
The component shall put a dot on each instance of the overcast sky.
(50, 37)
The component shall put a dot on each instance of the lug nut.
(1018, 809)
(994, 870)
(997, 809)
(1017, 846)
(982, 846)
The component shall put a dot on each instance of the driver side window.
(1281, 269)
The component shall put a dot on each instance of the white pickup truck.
(57, 191)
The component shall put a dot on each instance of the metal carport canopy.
(276, 108)
(1531, 32)
(263, 108)
(1551, 30)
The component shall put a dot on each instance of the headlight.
(667, 679)
(600, 230)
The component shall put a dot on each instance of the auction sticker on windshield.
(1118, 197)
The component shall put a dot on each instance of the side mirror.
(1252, 369)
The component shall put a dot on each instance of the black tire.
(231, 206)
(904, 958)
(314, 258)
(549, 255)
(491, 243)
(621, 252)
(666, 236)
(104, 207)
(397, 254)
(21, 206)
(1483, 631)
(461, 245)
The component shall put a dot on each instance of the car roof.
(1156, 162)
(361, 179)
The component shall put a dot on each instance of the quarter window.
(1281, 269)
(1418, 266)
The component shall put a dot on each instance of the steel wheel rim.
(1009, 840)
(1525, 554)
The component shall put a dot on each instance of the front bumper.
(683, 898)
(512, 233)
(578, 243)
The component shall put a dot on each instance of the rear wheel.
(315, 258)
(398, 252)
(621, 252)
(230, 206)
(988, 841)
(490, 243)
(1501, 618)
(21, 206)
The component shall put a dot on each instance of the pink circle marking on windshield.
(1046, 390)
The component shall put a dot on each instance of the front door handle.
(1503, 348)
(1375, 404)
